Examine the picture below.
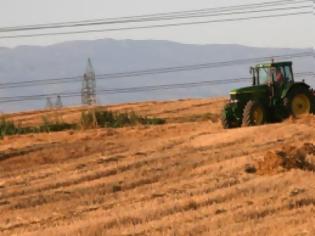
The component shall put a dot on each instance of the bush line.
(89, 120)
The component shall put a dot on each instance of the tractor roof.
(275, 64)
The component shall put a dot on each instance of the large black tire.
(226, 122)
(254, 114)
(299, 101)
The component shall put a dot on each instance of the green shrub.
(153, 121)
(55, 126)
(7, 128)
(90, 119)
(97, 118)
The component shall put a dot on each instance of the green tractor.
(273, 96)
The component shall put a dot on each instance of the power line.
(154, 71)
(124, 90)
(304, 74)
(152, 26)
(114, 91)
(163, 16)
(63, 24)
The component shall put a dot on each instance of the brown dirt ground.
(186, 177)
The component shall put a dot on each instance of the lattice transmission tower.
(59, 103)
(49, 103)
(88, 91)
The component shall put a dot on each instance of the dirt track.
(183, 178)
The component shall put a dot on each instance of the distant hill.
(110, 56)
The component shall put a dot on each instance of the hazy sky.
(294, 31)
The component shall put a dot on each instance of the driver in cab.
(279, 76)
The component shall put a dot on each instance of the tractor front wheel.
(226, 122)
(227, 118)
(253, 114)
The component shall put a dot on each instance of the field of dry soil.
(186, 177)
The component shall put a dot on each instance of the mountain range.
(111, 56)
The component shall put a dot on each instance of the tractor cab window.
(288, 74)
(279, 75)
(283, 75)
(264, 75)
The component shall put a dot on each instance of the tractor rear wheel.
(253, 114)
(299, 101)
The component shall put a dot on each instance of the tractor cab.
(279, 73)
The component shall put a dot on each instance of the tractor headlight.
(233, 101)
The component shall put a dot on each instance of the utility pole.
(88, 91)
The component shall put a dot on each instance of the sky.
(292, 32)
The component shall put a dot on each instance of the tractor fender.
(293, 87)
